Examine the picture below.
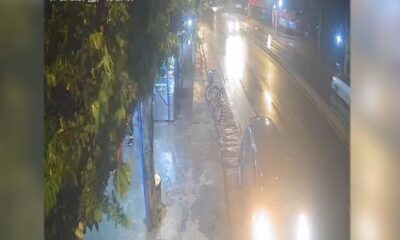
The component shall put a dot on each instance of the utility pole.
(278, 13)
(319, 29)
(277, 20)
(347, 42)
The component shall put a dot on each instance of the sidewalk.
(187, 157)
(188, 160)
(229, 130)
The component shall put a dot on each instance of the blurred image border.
(375, 119)
(21, 119)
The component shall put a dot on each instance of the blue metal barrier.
(142, 158)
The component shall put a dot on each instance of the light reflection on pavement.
(234, 57)
(256, 85)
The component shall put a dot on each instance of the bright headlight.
(261, 227)
(237, 26)
(303, 228)
(230, 26)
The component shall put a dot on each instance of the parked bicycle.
(210, 83)
(213, 96)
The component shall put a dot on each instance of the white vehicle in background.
(340, 97)
(233, 24)
(238, 6)
(341, 86)
(215, 7)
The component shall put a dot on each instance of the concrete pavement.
(312, 72)
(303, 47)
(257, 85)
(187, 156)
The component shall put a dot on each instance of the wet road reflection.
(256, 85)
(234, 57)
(268, 98)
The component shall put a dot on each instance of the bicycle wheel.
(213, 97)
(207, 93)
(218, 111)
(216, 92)
(216, 104)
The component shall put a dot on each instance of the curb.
(229, 134)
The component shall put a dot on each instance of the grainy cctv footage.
(197, 119)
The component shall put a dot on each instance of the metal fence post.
(168, 100)
(143, 167)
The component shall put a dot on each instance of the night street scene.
(195, 119)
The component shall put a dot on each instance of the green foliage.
(154, 27)
(99, 59)
(122, 179)
(88, 92)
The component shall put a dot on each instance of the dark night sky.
(333, 18)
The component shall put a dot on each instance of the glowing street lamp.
(339, 39)
(280, 3)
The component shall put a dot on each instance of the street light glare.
(234, 58)
(261, 228)
(280, 3)
(268, 97)
(303, 228)
(190, 22)
(338, 39)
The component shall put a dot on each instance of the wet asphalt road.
(258, 86)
